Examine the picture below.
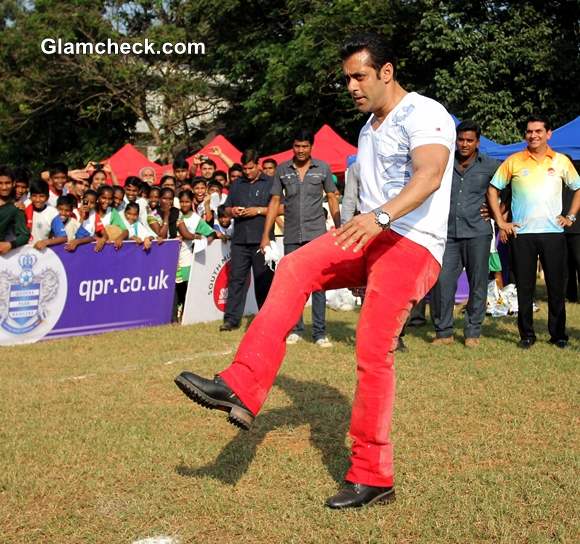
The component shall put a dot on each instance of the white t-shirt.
(385, 167)
(41, 224)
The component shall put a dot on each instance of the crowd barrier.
(53, 293)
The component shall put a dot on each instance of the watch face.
(383, 219)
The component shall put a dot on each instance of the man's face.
(302, 150)
(148, 176)
(251, 170)
(234, 175)
(269, 169)
(537, 136)
(199, 191)
(207, 170)
(65, 212)
(38, 200)
(467, 143)
(58, 180)
(132, 192)
(180, 174)
(6, 185)
(364, 85)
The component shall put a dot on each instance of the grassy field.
(98, 445)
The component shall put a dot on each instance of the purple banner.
(116, 289)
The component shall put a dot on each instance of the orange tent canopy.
(328, 147)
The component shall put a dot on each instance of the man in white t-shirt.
(394, 247)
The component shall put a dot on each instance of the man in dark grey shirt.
(468, 240)
(303, 181)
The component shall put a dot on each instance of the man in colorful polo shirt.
(537, 227)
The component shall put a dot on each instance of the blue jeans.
(318, 306)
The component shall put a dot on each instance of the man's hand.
(484, 212)
(5, 247)
(237, 211)
(250, 212)
(506, 230)
(265, 242)
(563, 221)
(360, 230)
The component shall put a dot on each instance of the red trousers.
(397, 273)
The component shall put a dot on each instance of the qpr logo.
(33, 290)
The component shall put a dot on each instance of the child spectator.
(201, 200)
(39, 214)
(169, 215)
(113, 224)
(79, 188)
(57, 178)
(132, 190)
(224, 224)
(139, 233)
(21, 186)
(97, 179)
(215, 188)
(235, 172)
(190, 226)
(13, 231)
(66, 228)
(180, 171)
(118, 198)
(221, 177)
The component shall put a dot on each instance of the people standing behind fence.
(13, 231)
(39, 214)
(537, 228)
(468, 240)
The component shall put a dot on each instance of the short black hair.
(198, 180)
(236, 167)
(133, 181)
(215, 183)
(58, 168)
(104, 189)
(378, 48)
(38, 187)
(90, 192)
(221, 211)
(167, 190)
(538, 118)
(249, 155)
(66, 200)
(165, 178)
(187, 193)
(133, 206)
(154, 189)
(180, 163)
(6, 171)
(118, 188)
(271, 161)
(208, 161)
(304, 135)
(220, 173)
(21, 175)
(469, 126)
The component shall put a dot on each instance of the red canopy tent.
(225, 145)
(128, 161)
(328, 146)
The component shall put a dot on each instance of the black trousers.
(473, 254)
(573, 244)
(551, 249)
(246, 257)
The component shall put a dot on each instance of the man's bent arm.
(273, 212)
(334, 208)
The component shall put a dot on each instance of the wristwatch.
(571, 217)
(382, 219)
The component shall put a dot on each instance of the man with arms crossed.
(406, 160)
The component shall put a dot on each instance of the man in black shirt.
(247, 203)
(468, 240)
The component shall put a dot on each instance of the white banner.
(208, 286)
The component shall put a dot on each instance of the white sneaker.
(293, 338)
(323, 343)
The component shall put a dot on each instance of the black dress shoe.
(526, 343)
(560, 343)
(357, 495)
(216, 395)
(227, 326)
